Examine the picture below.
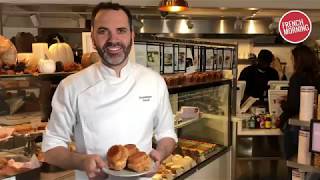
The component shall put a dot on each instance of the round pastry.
(3, 162)
(117, 157)
(139, 162)
(132, 149)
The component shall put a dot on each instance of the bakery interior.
(219, 37)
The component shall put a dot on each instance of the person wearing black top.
(257, 76)
(306, 73)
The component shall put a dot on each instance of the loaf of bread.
(132, 149)
(117, 157)
(139, 162)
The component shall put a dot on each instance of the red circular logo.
(295, 26)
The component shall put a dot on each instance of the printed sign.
(295, 26)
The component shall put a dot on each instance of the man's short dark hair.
(265, 56)
(111, 6)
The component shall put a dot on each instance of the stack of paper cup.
(318, 108)
(297, 175)
(306, 103)
(304, 156)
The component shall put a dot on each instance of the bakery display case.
(202, 120)
(25, 105)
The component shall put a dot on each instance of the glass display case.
(25, 105)
(26, 99)
(207, 137)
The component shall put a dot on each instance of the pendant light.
(173, 5)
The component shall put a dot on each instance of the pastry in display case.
(202, 120)
(24, 108)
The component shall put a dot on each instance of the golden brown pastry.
(3, 135)
(3, 162)
(42, 126)
(132, 149)
(117, 157)
(22, 128)
(139, 162)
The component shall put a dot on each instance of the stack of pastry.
(22, 128)
(174, 165)
(119, 157)
(195, 149)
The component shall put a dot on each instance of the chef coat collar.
(109, 72)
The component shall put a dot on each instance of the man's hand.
(157, 157)
(92, 165)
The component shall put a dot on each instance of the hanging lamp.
(173, 5)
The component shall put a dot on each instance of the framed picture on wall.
(227, 59)
(209, 59)
(153, 57)
(180, 58)
(141, 54)
(215, 58)
(168, 62)
(220, 58)
(196, 59)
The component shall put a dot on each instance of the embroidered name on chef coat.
(145, 98)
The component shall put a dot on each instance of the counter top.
(252, 132)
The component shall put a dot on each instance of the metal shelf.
(302, 167)
(296, 122)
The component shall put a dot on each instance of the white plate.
(127, 173)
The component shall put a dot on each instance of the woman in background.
(306, 73)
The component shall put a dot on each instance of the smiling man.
(111, 102)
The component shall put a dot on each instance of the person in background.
(306, 73)
(276, 64)
(257, 76)
(114, 101)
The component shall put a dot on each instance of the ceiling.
(243, 9)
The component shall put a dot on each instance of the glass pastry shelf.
(205, 160)
(303, 167)
(202, 116)
(21, 118)
(198, 85)
(35, 75)
(186, 123)
(296, 122)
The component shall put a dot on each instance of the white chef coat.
(100, 110)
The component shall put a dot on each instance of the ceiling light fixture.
(173, 5)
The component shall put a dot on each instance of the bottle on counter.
(252, 122)
(268, 121)
(262, 121)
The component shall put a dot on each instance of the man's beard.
(116, 59)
